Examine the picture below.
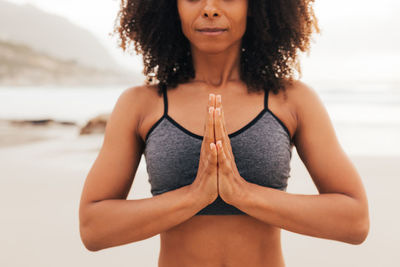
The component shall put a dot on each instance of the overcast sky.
(98, 17)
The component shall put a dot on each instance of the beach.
(43, 169)
(59, 61)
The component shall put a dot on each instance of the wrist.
(197, 196)
(241, 197)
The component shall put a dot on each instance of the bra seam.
(251, 123)
(176, 124)
(281, 123)
(266, 97)
(258, 117)
(153, 127)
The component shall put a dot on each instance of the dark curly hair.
(275, 31)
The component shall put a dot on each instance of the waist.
(221, 240)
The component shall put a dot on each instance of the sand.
(42, 171)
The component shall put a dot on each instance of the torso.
(218, 240)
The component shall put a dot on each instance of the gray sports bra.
(262, 151)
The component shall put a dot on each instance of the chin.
(212, 48)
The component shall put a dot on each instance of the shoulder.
(304, 101)
(132, 102)
(139, 92)
(138, 97)
(300, 92)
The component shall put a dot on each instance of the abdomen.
(221, 240)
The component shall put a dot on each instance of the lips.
(211, 29)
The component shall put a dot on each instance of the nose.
(210, 10)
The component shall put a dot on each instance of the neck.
(217, 69)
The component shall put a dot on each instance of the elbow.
(89, 246)
(359, 231)
(87, 232)
(87, 240)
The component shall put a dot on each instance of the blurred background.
(61, 73)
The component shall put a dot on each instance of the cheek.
(239, 20)
(185, 18)
(187, 31)
(240, 27)
(242, 21)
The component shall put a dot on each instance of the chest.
(188, 112)
(262, 154)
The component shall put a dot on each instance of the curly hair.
(275, 31)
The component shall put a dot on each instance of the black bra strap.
(266, 92)
(165, 100)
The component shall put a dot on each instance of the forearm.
(331, 216)
(114, 222)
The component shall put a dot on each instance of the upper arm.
(319, 149)
(113, 171)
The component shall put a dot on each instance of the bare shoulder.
(133, 102)
(304, 101)
(300, 93)
(138, 94)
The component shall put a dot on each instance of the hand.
(230, 183)
(206, 181)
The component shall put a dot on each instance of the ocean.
(366, 116)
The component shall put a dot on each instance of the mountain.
(53, 35)
(20, 65)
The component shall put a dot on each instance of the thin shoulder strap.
(165, 100)
(266, 92)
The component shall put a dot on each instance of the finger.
(220, 154)
(220, 135)
(219, 104)
(210, 103)
(205, 132)
(226, 140)
(223, 120)
(218, 101)
(209, 135)
(211, 100)
(213, 157)
(211, 129)
(218, 125)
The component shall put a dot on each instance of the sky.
(98, 16)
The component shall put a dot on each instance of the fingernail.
(209, 97)
(219, 98)
(210, 110)
(218, 111)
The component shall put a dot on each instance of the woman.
(219, 180)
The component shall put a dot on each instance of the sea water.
(366, 117)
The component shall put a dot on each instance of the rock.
(41, 122)
(95, 125)
(32, 122)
